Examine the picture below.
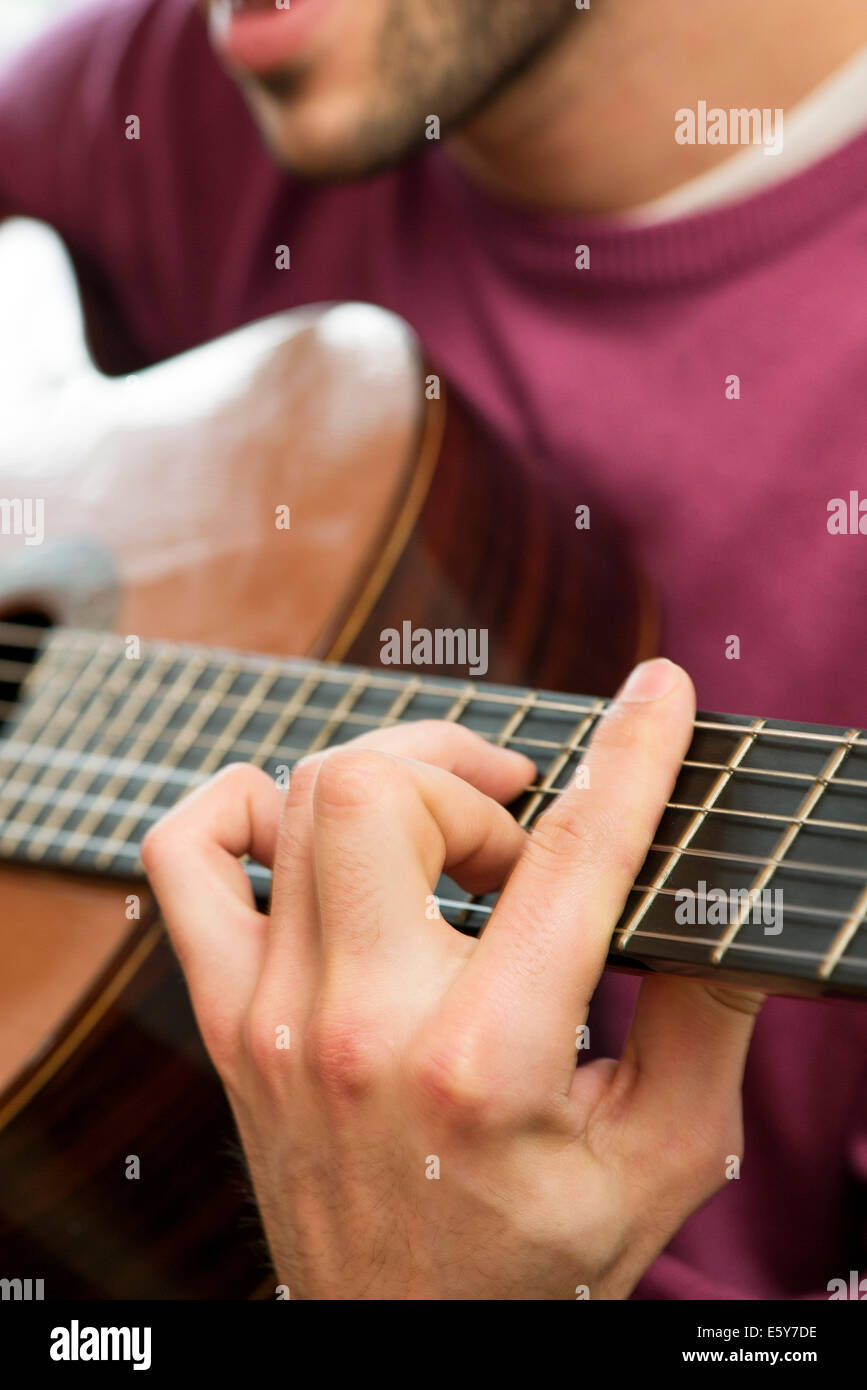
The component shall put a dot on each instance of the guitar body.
(294, 489)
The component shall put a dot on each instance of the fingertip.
(524, 767)
(652, 680)
(501, 773)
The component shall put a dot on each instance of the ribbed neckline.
(702, 246)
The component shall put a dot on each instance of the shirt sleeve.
(66, 159)
(42, 121)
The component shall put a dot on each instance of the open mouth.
(261, 35)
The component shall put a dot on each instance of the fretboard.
(758, 870)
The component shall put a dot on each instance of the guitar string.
(845, 934)
(824, 963)
(88, 686)
(181, 745)
(368, 722)
(150, 813)
(123, 720)
(784, 953)
(298, 668)
(784, 844)
(221, 746)
(144, 689)
(698, 819)
(360, 681)
(111, 849)
(78, 841)
(844, 938)
(250, 751)
(85, 727)
(9, 707)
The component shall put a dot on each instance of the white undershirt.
(831, 115)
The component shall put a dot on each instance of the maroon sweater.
(617, 373)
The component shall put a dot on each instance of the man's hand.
(407, 1097)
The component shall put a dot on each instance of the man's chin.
(322, 150)
(335, 166)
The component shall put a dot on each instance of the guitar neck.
(757, 873)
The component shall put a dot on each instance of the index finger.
(545, 946)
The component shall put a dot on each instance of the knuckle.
(302, 780)
(567, 831)
(594, 839)
(222, 1036)
(452, 1085)
(156, 845)
(239, 774)
(238, 780)
(441, 739)
(353, 778)
(748, 1002)
(162, 843)
(346, 1058)
(446, 732)
(149, 850)
(261, 1038)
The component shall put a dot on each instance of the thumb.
(688, 1045)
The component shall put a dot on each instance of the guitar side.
(400, 509)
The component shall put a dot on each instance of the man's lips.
(260, 35)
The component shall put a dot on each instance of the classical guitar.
(197, 565)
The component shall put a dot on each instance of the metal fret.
(574, 745)
(185, 782)
(340, 675)
(653, 890)
(219, 747)
(844, 938)
(513, 724)
(147, 685)
(343, 706)
(92, 761)
(770, 816)
(206, 702)
(102, 695)
(506, 734)
(455, 710)
(39, 721)
(399, 705)
(782, 848)
(690, 833)
(785, 953)
(367, 723)
(248, 748)
(270, 744)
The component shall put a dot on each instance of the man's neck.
(591, 128)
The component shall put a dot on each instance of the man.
(620, 290)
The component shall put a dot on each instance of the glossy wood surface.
(160, 498)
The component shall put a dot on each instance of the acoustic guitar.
(242, 554)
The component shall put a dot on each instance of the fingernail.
(650, 681)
